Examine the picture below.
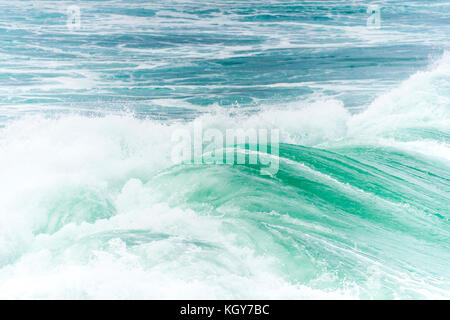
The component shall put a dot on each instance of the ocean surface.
(91, 205)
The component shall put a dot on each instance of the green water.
(92, 205)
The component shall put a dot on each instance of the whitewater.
(92, 206)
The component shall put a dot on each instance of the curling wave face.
(92, 207)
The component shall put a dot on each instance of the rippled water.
(91, 205)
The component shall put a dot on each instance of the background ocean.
(91, 205)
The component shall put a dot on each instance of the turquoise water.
(91, 205)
